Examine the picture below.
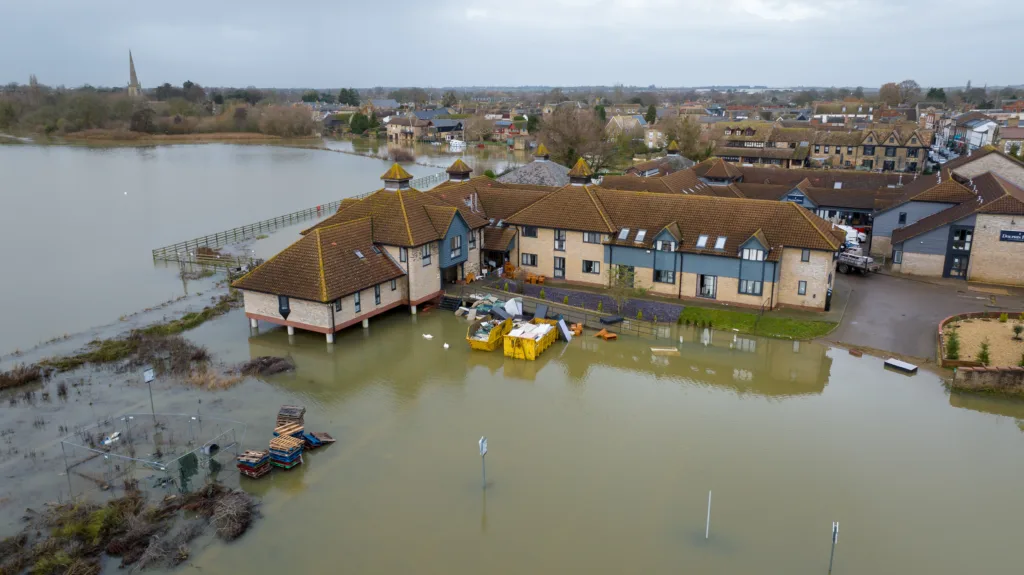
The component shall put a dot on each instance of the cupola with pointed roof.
(580, 173)
(396, 178)
(542, 154)
(673, 148)
(459, 171)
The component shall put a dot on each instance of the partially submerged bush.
(20, 375)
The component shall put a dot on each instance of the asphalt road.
(902, 315)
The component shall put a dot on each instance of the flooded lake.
(78, 224)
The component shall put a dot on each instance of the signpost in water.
(483, 460)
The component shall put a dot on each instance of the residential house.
(632, 124)
(1010, 136)
(408, 129)
(508, 130)
(969, 131)
(671, 162)
(540, 172)
(839, 113)
(431, 114)
(448, 129)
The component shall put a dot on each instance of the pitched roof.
(994, 195)
(636, 184)
(401, 217)
(396, 172)
(492, 204)
(570, 208)
(717, 168)
(542, 150)
(498, 239)
(324, 265)
(581, 169)
(459, 167)
(545, 173)
(414, 122)
(672, 146)
(762, 191)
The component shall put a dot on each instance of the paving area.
(902, 315)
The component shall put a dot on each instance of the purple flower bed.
(665, 312)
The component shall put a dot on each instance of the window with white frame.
(665, 276)
(753, 254)
(750, 287)
(801, 288)
(897, 256)
(663, 246)
(403, 255)
(456, 247)
(529, 260)
(702, 241)
(559, 240)
(591, 238)
(529, 231)
(591, 267)
(425, 254)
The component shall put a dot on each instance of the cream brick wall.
(881, 246)
(689, 284)
(424, 280)
(1008, 169)
(729, 291)
(575, 252)
(473, 262)
(815, 272)
(367, 305)
(993, 261)
(544, 246)
(922, 264)
(304, 312)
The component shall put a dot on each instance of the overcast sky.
(434, 43)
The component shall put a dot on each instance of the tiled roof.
(797, 153)
(493, 198)
(762, 191)
(926, 189)
(581, 169)
(323, 265)
(636, 184)
(851, 199)
(459, 167)
(396, 172)
(717, 168)
(1011, 133)
(821, 178)
(570, 208)
(401, 217)
(414, 122)
(994, 195)
(544, 173)
(498, 239)
(685, 181)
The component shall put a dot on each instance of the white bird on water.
(446, 346)
(427, 336)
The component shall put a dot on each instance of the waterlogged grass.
(141, 342)
(754, 324)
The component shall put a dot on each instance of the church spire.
(134, 89)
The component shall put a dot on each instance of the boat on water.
(456, 145)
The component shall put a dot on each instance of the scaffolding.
(136, 451)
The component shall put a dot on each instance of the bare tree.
(477, 128)
(570, 133)
(686, 132)
(890, 94)
(910, 92)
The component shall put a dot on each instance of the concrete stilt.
(253, 323)
(412, 309)
(291, 330)
(330, 338)
(366, 323)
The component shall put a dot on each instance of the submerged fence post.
(707, 526)
(835, 539)
(483, 461)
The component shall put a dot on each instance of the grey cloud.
(323, 43)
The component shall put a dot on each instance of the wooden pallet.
(286, 443)
(252, 456)
(293, 429)
(323, 436)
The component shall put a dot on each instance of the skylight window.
(720, 243)
(640, 236)
(359, 254)
(702, 241)
(624, 233)
(376, 250)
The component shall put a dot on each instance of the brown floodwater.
(601, 456)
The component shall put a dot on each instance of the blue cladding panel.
(752, 270)
(885, 222)
(458, 227)
(626, 256)
(933, 242)
(711, 265)
(753, 244)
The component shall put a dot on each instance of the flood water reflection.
(602, 454)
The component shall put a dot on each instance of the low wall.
(1001, 379)
(955, 363)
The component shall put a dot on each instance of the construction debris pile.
(483, 329)
(286, 448)
(527, 330)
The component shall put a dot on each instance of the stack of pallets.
(289, 429)
(254, 464)
(286, 451)
(291, 414)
